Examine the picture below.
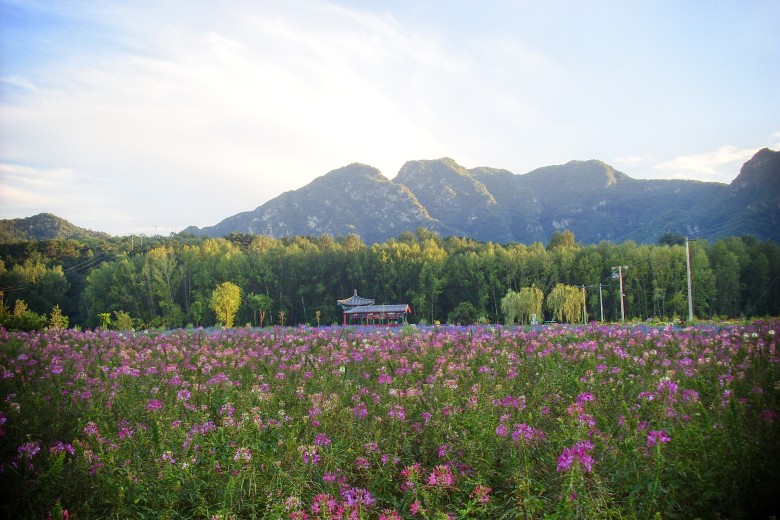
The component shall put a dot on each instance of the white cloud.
(25, 191)
(720, 165)
(230, 113)
(633, 160)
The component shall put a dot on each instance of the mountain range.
(589, 198)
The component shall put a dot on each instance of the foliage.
(123, 321)
(21, 318)
(565, 302)
(57, 320)
(523, 305)
(260, 304)
(463, 314)
(430, 422)
(168, 282)
(562, 239)
(225, 301)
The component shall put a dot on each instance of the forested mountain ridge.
(44, 226)
(590, 198)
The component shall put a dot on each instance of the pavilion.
(363, 311)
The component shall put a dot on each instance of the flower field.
(408, 422)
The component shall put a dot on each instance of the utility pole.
(690, 291)
(620, 276)
(601, 303)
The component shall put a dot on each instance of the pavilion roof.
(355, 300)
(379, 309)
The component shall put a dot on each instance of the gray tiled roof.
(379, 309)
(355, 300)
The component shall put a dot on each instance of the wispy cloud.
(182, 112)
(720, 165)
(26, 190)
(256, 98)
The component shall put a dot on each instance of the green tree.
(122, 321)
(22, 318)
(225, 301)
(258, 303)
(561, 239)
(105, 320)
(509, 307)
(565, 302)
(702, 280)
(529, 302)
(57, 320)
(464, 313)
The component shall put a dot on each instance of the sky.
(147, 116)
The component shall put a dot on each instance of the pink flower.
(244, 454)
(441, 476)
(481, 493)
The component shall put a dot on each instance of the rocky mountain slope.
(589, 198)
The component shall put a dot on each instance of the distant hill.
(589, 198)
(43, 226)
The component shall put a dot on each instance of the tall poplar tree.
(225, 301)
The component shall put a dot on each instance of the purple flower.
(321, 440)
(60, 447)
(91, 429)
(657, 437)
(584, 397)
(360, 410)
(154, 404)
(309, 454)
(398, 412)
(168, 457)
(579, 453)
(357, 496)
(29, 449)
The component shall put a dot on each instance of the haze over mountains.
(589, 198)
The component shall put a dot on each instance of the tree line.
(169, 282)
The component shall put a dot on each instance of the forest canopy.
(168, 282)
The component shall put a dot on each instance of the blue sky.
(128, 117)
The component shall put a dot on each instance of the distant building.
(359, 310)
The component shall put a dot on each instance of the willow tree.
(225, 301)
(529, 303)
(509, 307)
(565, 302)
